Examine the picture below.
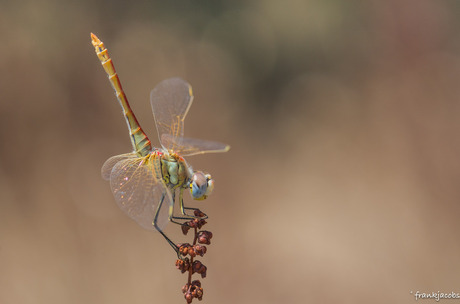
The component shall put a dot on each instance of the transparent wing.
(191, 146)
(112, 161)
(138, 192)
(171, 100)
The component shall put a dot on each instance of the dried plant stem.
(190, 271)
(189, 264)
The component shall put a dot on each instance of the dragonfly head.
(201, 185)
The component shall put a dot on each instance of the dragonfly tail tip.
(95, 39)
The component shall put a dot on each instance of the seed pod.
(200, 223)
(196, 283)
(200, 249)
(185, 228)
(198, 213)
(188, 297)
(204, 237)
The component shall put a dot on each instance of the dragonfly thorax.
(176, 173)
(174, 170)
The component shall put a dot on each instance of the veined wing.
(112, 161)
(191, 146)
(171, 99)
(138, 192)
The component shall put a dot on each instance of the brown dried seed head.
(196, 283)
(199, 213)
(203, 272)
(183, 265)
(192, 223)
(185, 228)
(199, 268)
(184, 248)
(200, 249)
(188, 297)
(185, 288)
(199, 293)
(180, 264)
(191, 252)
(201, 223)
(204, 237)
(203, 240)
(196, 266)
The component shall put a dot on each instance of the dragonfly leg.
(194, 209)
(155, 224)
(183, 208)
(184, 216)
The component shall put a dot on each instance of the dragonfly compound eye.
(201, 185)
(210, 185)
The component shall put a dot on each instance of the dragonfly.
(147, 182)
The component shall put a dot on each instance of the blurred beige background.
(342, 184)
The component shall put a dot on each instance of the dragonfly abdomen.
(139, 140)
